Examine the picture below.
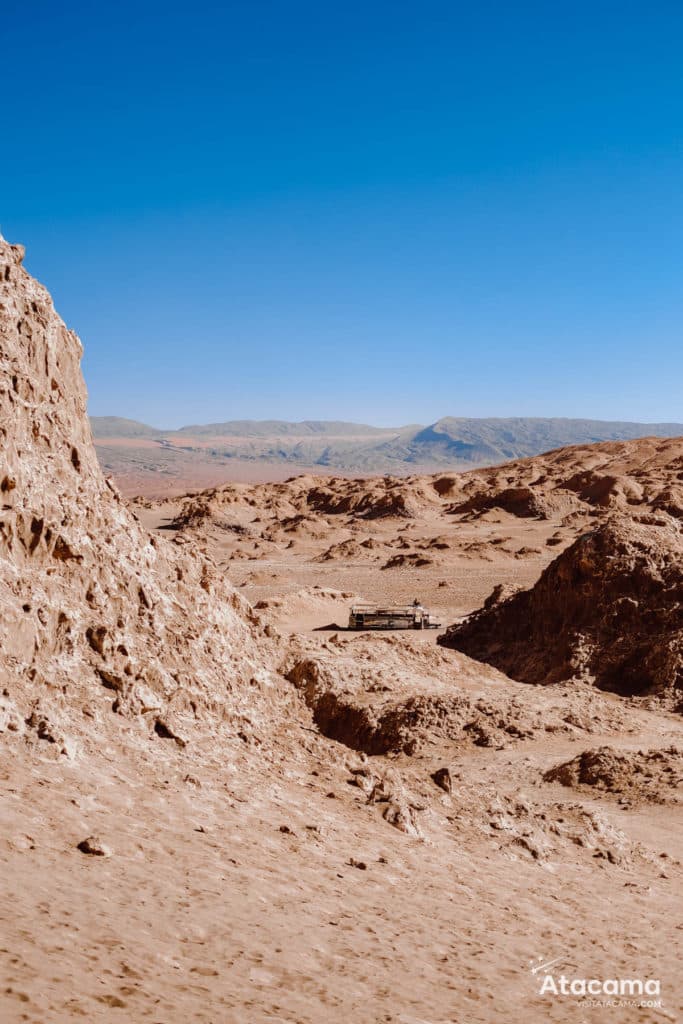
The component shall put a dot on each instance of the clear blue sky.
(386, 212)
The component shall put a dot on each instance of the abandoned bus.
(408, 616)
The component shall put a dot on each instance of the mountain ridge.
(450, 442)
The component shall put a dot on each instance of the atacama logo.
(602, 990)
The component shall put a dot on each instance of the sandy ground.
(455, 581)
(270, 886)
(208, 911)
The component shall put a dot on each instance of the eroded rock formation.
(608, 610)
(95, 613)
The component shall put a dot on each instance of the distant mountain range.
(114, 426)
(452, 442)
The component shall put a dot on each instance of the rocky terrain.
(646, 775)
(158, 462)
(608, 610)
(93, 608)
(218, 805)
(455, 540)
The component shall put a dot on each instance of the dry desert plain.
(220, 806)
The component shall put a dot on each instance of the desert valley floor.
(219, 805)
(332, 878)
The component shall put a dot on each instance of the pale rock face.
(96, 615)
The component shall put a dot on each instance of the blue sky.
(368, 211)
